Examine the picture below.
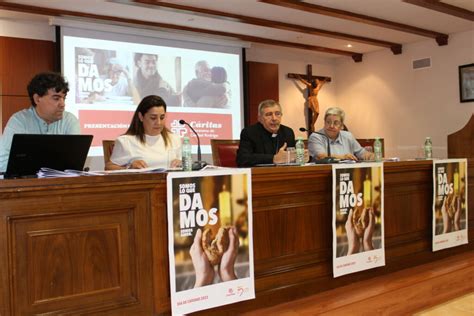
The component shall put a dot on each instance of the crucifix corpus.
(313, 84)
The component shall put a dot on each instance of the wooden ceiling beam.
(441, 39)
(395, 47)
(443, 8)
(357, 57)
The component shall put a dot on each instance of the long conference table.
(99, 244)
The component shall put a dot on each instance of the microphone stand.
(199, 164)
(325, 160)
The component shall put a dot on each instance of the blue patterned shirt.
(28, 122)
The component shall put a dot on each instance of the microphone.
(325, 160)
(199, 164)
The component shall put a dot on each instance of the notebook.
(30, 152)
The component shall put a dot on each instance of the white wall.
(383, 96)
(39, 30)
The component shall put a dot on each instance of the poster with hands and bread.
(450, 211)
(210, 241)
(358, 218)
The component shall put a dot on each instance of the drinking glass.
(173, 154)
(290, 155)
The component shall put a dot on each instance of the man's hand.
(281, 155)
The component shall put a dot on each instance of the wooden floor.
(457, 307)
(401, 293)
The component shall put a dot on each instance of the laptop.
(31, 152)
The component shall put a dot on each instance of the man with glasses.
(266, 141)
(343, 144)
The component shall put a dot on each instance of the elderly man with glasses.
(266, 141)
(343, 144)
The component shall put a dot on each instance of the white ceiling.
(392, 10)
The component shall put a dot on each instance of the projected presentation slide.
(108, 79)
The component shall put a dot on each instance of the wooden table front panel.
(77, 248)
(99, 244)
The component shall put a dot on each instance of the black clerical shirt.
(258, 146)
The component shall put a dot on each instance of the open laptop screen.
(30, 152)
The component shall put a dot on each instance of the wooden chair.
(370, 142)
(461, 143)
(224, 152)
(108, 147)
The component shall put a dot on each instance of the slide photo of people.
(158, 75)
(449, 203)
(209, 88)
(358, 239)
(211, 250)
(104, 76)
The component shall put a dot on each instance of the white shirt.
(128, 148)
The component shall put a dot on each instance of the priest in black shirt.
(266, 141)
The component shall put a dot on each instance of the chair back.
(370, 142)
(224, 152)
(108, 147)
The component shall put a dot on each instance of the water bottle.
(300, 151)
(186, 155)
(378, 149)
(428, 147)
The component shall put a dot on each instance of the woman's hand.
(348, 157)
(445, 215)
(353, 242)
(369, 155)
(226, 268)
(457, 212)
(138, 164)
(203, 269)
(369, 231)
(176, 163)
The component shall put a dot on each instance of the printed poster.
(210, 239)
(358, 217)
(449, 203)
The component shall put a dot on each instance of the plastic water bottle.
(186, 155)
(378, 149)
(300, 151)
(428, 147)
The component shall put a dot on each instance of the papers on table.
(53, 173)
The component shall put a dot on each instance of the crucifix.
(313, 84)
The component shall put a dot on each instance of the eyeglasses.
(270, 114)
(333, 123)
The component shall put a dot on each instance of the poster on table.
(449, 203)
(210, 240)
(358, 218)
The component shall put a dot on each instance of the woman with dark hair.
(147, 142)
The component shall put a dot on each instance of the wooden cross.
(309, 77)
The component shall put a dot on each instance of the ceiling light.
(349, 45)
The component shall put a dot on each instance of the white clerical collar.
(274, 135)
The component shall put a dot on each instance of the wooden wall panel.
(12, 104)
(262, 84)
(461, 142)
(20, 60)
(77, 248)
